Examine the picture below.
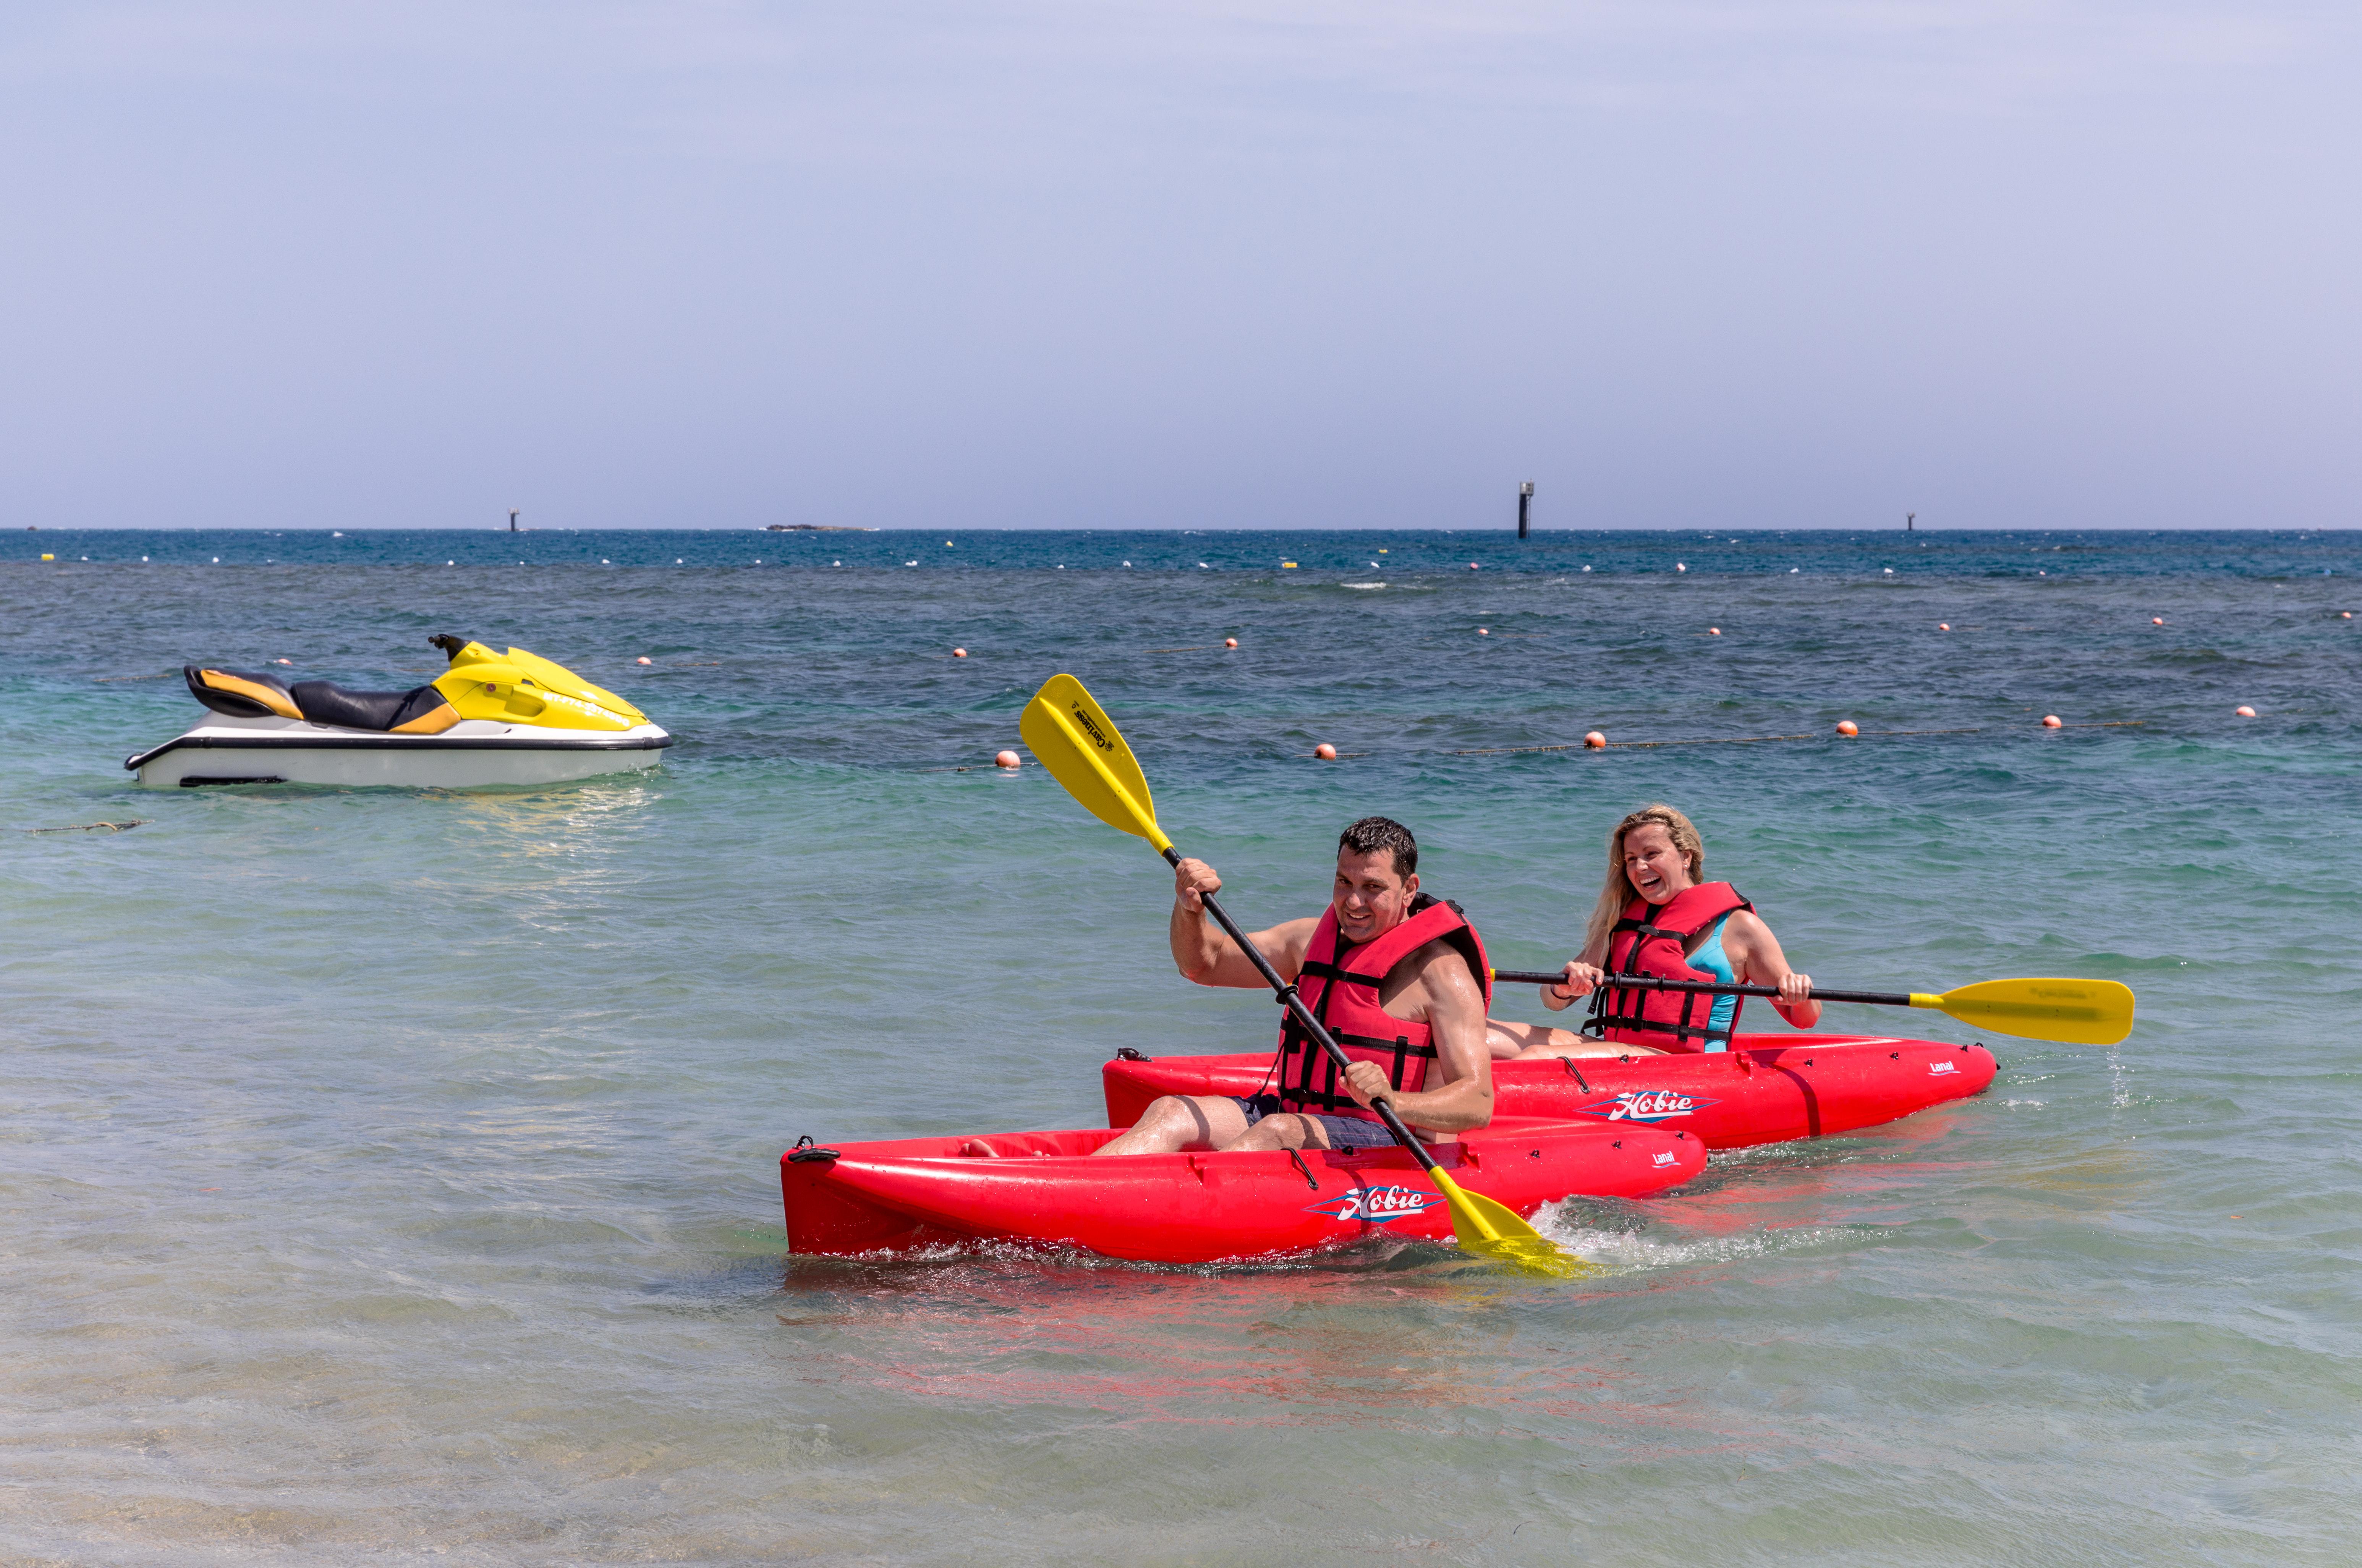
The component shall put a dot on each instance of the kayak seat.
(246, 694)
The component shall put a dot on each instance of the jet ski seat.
(246, 694)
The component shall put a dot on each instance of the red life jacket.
(1340, 985)
(1653, 939)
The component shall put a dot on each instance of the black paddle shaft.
(1303, 1015)
(1719, 988)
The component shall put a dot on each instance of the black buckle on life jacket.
(1400, 1046)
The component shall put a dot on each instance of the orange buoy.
(1484, 631)
(2050, 721)
(959, 653)
(2157, 620)
(1325, 752)
(2244, 711)
(1943, 626)
(1472, 566)
(2346, 614)
(1714, 631)
(1594, 740)
(645, 660)
(1230, 642)
(1847, 727)
(1006, 760)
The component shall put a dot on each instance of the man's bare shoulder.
(1432, 964)
(1292, 938)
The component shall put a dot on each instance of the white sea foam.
(1659, 1249)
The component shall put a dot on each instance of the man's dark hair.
(1373, 834)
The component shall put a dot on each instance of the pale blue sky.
(1010, 264)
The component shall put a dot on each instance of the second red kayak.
(1048, 1189)
(1770, 1090)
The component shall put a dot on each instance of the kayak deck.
(1769, 1090)
(1045, 1189)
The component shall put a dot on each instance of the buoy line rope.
(1648, 745)
(1755, 740)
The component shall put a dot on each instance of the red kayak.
(1773, 1088)
(1045, 1189)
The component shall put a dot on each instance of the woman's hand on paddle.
(1191, 880)
(1578, 981)
(1796, 1000)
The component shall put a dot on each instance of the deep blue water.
(2099, 552)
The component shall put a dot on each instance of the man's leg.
(1283, 1130)
(1535, 1041)
(1178, 1121)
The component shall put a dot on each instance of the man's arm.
(1463, 1062)
(1205, 952)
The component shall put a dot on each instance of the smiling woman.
(1657, 917)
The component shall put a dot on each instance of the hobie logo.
(1940, 1067)
(1376, 1205)
(1646, 1105)
(1091, 725)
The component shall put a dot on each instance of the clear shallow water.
(394, 1175)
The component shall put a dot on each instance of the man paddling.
(1397, 976)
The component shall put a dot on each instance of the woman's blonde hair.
(1619, 893)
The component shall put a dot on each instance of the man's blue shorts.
(1344, 1131)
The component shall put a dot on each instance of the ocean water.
(391, 1175)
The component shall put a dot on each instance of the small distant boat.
(491, 719)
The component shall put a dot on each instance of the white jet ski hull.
(473, 754)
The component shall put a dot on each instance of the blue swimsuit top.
(1710, 957)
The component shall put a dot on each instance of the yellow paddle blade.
(2077, 1012)
(1070, 735)
(1492, 1230)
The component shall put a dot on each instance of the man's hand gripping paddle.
(2075, 1012)
(1072, 736)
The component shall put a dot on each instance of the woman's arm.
(1755, 955)
(1583, 977)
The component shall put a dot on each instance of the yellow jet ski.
(513, 718)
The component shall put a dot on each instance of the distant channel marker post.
(1524, 501)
